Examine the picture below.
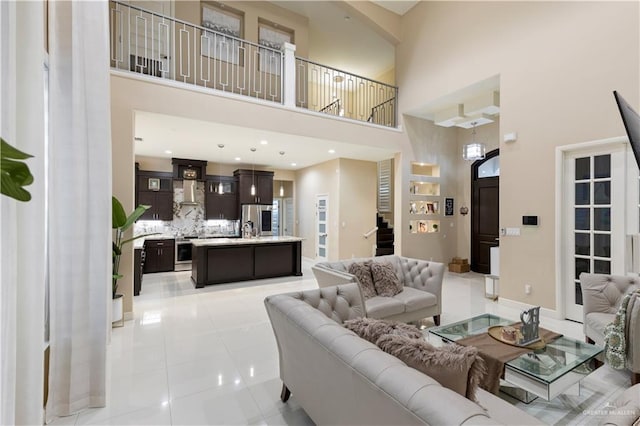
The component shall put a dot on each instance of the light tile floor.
(208, 356)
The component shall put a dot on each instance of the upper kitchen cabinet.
(221, 198)
(263, 181)
(155, 189)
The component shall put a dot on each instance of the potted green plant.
(120, 223)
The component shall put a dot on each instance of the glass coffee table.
(546, 373)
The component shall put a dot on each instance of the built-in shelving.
(424, 198)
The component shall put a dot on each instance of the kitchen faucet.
(247, 229)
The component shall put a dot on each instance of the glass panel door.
(322, 225)
(595, 217)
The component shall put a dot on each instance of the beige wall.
(556, 81)
(190, 11)
(435, 145)
(321, 179)
(351, 188)
(358, 199)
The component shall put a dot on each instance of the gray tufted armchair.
(601, 297)
(421, 297)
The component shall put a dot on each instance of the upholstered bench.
(420, 298)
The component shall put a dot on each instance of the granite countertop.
(240, 241)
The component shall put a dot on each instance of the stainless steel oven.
(183, 254)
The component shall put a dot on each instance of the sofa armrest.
(423, 275)
(329, 277)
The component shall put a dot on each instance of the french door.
(322, 226)
(594, 218)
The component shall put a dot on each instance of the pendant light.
(220, 187)
(474, 150)
(253, 173)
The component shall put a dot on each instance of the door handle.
(323, 235)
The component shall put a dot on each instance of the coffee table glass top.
(557, 358)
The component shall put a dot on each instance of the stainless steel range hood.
(189, 192)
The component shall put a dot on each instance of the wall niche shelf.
(424, 207)
(424, 169)
(424, 188)
(425, 226)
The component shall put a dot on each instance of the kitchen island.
(223, 260)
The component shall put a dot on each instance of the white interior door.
(594, 219)
(322, 228)
(287, 217)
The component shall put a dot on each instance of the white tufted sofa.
(340, 379)
(421, 297)
(601, 296)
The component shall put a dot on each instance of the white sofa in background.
(341, 379)
(422, 281)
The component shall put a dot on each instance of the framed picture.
(221, 44)
(154, 184)
(274, 36)
(448, 206)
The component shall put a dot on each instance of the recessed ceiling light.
(347, 18)
(293, 164)
(332, 151)
(238, 158)
(263, 142)
(281, 152)
(220, 145)
(168, 152)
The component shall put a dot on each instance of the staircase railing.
(146, 42)
(384, 113)
(317, 86)
(333, 108)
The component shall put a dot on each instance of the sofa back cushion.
(385, 279)
(603, 293)
(456, 367)
(339, 303)
(362, 272)
(372, 329)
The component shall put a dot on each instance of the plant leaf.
(135, 238)
(118, 216)
(9, 151)
(11, 189)
(18, 171)
(139, 211)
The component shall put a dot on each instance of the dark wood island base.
(216, 262)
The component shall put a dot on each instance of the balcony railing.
(149, 43)
(318, 87)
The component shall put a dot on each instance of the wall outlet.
(527, 289)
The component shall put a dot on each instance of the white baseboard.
(545, 312)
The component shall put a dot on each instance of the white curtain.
(79, 204)
(22, 254)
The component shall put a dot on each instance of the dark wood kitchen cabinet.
(155, 189)
(159, 255)
(221, 206)
(263, 182)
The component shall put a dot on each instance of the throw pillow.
(385, 279)
(372, 329)
(362, 272)
(456, 367)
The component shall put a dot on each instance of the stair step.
(384, 251)
(382, 239)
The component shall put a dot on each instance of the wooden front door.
(485, 205)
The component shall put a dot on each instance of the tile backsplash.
(188, 220)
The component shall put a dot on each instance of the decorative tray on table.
(512, 335)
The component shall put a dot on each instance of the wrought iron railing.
(149, 43)
(333, 108)
(318, 86)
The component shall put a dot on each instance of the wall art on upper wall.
(221, 44)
